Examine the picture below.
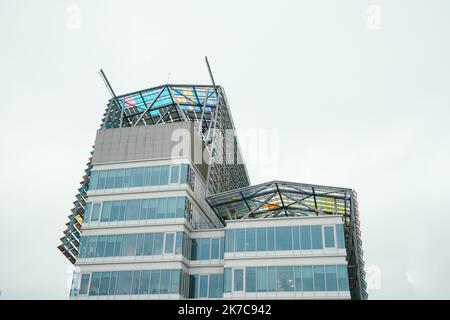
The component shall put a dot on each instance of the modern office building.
(166, 211)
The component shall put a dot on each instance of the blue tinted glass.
(148, 176)
(115, 211)
(284, 238)
(91, 246)
(307, 276)
(175, 281)
(165, 282)
(155, 176)
(171, 207)
(136, 279)
(140, 244)
(164, 180)
(227, 280)
(110, 242)
(102, 179)
(93, 180)
(106, 211)
(205, 248)
(162, 208)
(101, 244)
(184, 173)
(118, 181)
(168, 246)
(305, 237)
(298, 278)
(113, 283)
(213, 286)
(118, 246)
(152, 205)
(179, 243)
(148, 244)
(316, 237)
(123, 209)
(261, 276)
(340, 236)
(144, 209)
(342, 277)
(329, 237)
(174, 174)
(158, 243)
(133, 208)
(84, 283)
(95, 215)
(145, 282)
(271, 279)
(124, 283)
(238, 280)
(129, 245)
(250, 279)
(154, 282)
(95, 284)
(180, 207)
(215, 248)
(331, 278)
(229, 241)
(296, 237)
(250, 240)
(195, 251)
(87, 212)
(110, 179)
(285, 279)
(261, 239)
(126, 178)
(319, 278)
(203, 286)
(240, 240)
(270, 239)
(137, 177)
(193, 286)
(104, 284)
(82, 248)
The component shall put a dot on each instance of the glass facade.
(207, 249)
(206, 286)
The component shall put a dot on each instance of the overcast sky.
(357, 92)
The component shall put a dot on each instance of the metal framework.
(287, 199)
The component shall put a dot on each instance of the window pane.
(175, 281)
(222, 247)
(229, 241)
(203, 286)
(148, 244)
(101, 244)
(168, 247)
(133, 208)
(193, 286)
(261, 239)
(124, 282)
(96, 212)
(118, 181)
(342, 277)
(115, 210)
(140, 244)
(110, 242)
(305, 236)
(213, 286)
(129, 245)
(250, 240)
(152, 205)
(298, 278)
(285, 279)
(184, 173)
(123, 209)
(164, 180)
(284, 238)
(195, 250)
(316, 237)
(148, 176)
(82, 249)
(179, 243)
(319, 278)
(331, 278)
(126, 178)
(296, 238)
(180, 207)
(238, 279)
(307, 276)
(328, 233)
(158, 243)
(271, 279)
(137, 177)
(215, 248)
(118, 246)
(110, 179)
(113, 283)
(95, 284)
(250, 279)
(106, 211)
(84, 283)
(93, 180)
(136, 279)
(162, 208)
(171, 207)
(155, 176)
(261, 276)
(102, 179)
(205, 246)
(145, 282)
(227, 280)
(144, 210)
(174, 174)
(91, 246)
(340, 236)
(240, 240)
(165, 281)
(87, 212)
(270, 239)
(154, 282)
(104, 285)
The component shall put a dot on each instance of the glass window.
(113, 283)
(215, 248)
(284, 238)
(91, 245)
(110, 242)
(126, 178)
(87, 212)
(193, 286)
(110, 179)
(171, 207)
(102, 179)
(270, 239)
(154, 282)
(316, 237)
(296, 238)
(145, 282)
(140, 244)
(250, 240)
(238, 280)
(342, 277)
(148, 176)
(144, 209)
(195, 250)
(137, 177)
(175, 281)
(184, 173)
(152, 205)
(240, 240)
(174, 174)
(319, 278)
(133, 208)
(261, 276)
(205, 246)
(84, 284)
(96, 211)
(124, 282)
(82, 249)
(285, 279)
(214, 286)
(307, 276)
(168, 245)
(331, 278)
(229, 240)
(148, 244)
(118, 181)
(222, 247)
(164, 180)
(155, 176)
(129, 245)
(115, 211)
(123, 209)
(305, 237)
(227, 280)
(95, 284)
(328, 233)
(101, 244)
(203, 286)
(104, 285)
(340, 236)
(179, 243)
(158, 243)
(250, 279)
(118, 246)
(93, 180)
(136, 279)
(261, 239)
(180, 207)
(106, 211)
(162, 208)
(271, 279)
(298, 278)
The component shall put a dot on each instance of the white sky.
(354, 107)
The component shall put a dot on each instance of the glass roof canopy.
(280, 199)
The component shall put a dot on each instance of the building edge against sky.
(148, 224)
